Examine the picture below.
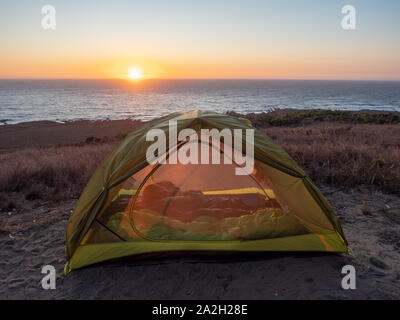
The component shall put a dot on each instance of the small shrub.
(36, 192)
(365, 209)
(6, 203)
(93, 140)
(120, 136)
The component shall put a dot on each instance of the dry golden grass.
(56, 173)
(340, 154)
(343, 154)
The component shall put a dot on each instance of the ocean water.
(62, 100)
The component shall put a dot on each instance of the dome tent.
(131, 206)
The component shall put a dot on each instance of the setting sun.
(135, 73)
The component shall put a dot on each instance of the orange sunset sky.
(199, 39)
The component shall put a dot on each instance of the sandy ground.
(370, 220)
(34, 235)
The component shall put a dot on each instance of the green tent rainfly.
(131, 207)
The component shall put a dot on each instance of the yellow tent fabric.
(130, 207)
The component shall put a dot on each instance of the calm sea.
(61, 100)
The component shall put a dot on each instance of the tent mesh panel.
(196, 202)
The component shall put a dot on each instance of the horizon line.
(183, 79)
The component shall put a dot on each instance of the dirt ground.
(49, 133)
(35, 236)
